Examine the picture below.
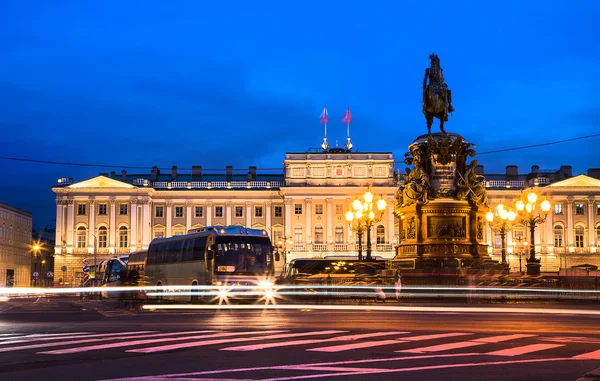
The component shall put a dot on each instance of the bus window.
(199, 247)
(152, 251)
(188, 250)
(161, 253)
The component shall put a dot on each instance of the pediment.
(101, 182)
(578, 181)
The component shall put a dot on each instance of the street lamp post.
(520, 253)
(365, 214)
(36, 250)
(500, 222)
(531, 216)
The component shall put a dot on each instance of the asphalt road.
(62, 339)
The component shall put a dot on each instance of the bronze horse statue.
(437, 98)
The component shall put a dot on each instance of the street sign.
(86, 262)
(64, 268)
(86, 269)
(50, 274)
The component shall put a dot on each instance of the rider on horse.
(437, 98)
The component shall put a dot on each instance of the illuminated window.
(318, 208)
(557, 208)
(380, 235)
(579, 236)
(81, 237)
(318, 234)
(239, 211)
(298, 235)
(102, 237)
(339, 234)
(123, 237)
(558, 236)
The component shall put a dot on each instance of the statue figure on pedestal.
(416, 184)
(437, 98)
(472, 186)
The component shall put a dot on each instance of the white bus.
(213, 256)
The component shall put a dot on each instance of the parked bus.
(212, 256)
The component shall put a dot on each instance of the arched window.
(123, 236)
(102, 237)
(579, 236)
(380, 235)
(81, 237)
(558, 236)
(339, 234)
(298, 235)
(318, 234)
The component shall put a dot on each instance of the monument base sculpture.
(441, 205)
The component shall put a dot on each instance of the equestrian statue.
(437, 98)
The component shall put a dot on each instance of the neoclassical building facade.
(303, 208)
(15, 247)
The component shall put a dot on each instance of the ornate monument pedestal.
(443, 234)
(442, 205)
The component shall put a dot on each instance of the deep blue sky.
(216, 83)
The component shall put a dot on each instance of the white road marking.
(255, 347)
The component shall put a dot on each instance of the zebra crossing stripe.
(105, 337)
(378, 343)
(149, 341)
(464, 344)
(164, 348)
(524, 349)
(595, 355)
(255, 347)
(75, 335)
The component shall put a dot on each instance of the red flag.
(348, 117)
(324, 115)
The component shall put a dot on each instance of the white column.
(146, 223)
(248, 214)
(169, 217)
(209, 213)
(228, 213)
(591, 228)
(288, 218)
(550, 231)
(308, 219)
(188, 215)
(113, 225)
(268, 205)
(569, 228)
(329, 234)
(133, 240)
(70, 223)
(59, 226)
(390, 208)
(92, 226)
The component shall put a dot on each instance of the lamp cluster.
(531, 213)
(365, 213)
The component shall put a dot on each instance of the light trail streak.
(377, 307)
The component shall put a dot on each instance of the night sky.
(217, 83)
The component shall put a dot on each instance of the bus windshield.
(243, 255)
